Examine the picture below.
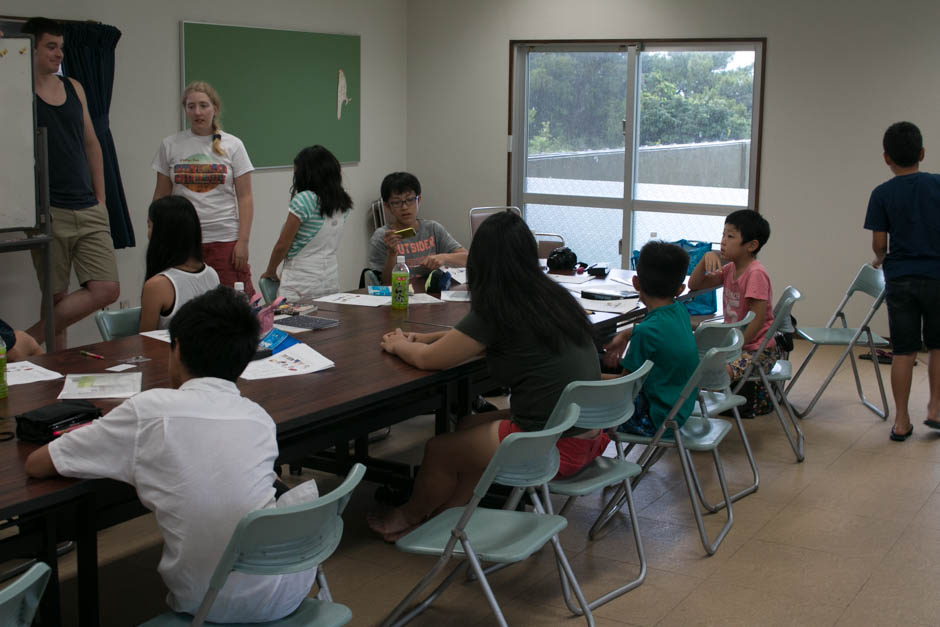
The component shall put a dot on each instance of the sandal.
(900, 437)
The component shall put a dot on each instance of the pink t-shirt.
(754, 283)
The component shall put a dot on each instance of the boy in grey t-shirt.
(431, 247)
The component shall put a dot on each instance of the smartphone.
(406, 233)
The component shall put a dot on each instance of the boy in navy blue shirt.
(908, 208)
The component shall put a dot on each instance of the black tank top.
(69, 178)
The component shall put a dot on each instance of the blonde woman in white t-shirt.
(211, 168)
(175, 271)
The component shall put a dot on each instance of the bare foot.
(391, 524)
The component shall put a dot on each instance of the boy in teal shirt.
(664, 337)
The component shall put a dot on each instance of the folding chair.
(715, 396)
(269, 289)
(118, 323)
(479, 214)
(280, 540)
(774, 381)
(19, 600)
(697, 434)
(547, 242)
(501, 536)
(604, 405)
(871, 282)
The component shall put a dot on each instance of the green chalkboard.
(280, 89)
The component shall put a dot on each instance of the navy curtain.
(89, 59)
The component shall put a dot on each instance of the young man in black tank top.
(80, 228)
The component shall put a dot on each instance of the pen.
(430, 324)
(91, 354)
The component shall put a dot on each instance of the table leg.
(87, 562)
(50, 611)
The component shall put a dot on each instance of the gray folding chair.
(774, 381)
(523, 461)
(19, 600)
(697, 434)
(118, 322)
(479, 214)
(547, 242)
(604, 405)
(868, 281)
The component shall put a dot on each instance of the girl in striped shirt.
(307, 245)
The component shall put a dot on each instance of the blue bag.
(703, 304)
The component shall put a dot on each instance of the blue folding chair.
(19, 600)
(280, 540)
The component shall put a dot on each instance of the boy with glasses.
(429, 248)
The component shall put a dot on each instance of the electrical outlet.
(124, 304)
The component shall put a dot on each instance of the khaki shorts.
(80, 237)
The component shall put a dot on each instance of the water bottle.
(239, 288)
(3, 369)
(400, 276)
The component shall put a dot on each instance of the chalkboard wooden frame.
(281, 90)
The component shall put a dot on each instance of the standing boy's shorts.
(913, 313)
(80, 238)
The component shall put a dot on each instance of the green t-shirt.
(664, 337)
(535, 374)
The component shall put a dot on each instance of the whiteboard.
(17, 148)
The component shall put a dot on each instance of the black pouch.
(562, 259)
(47, 423)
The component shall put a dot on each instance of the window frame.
(518, 124)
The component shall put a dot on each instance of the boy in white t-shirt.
(200, 455)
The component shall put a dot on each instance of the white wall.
(145, 108)
(837, 74)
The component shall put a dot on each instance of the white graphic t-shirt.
(206, 179)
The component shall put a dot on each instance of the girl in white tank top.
(175, 271)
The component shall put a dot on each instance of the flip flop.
(933, 424)
(900, 437)
(884, 357)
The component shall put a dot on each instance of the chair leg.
(487, 591)
(796, 439)
(396, 618)
(323, 593)
(710, 547)
(617, 501)
(569, 576)
(755, 473)
(883, 413)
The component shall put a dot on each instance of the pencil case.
(47, 423)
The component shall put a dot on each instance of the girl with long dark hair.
(310, 236)
(175, 270)
(536, 338)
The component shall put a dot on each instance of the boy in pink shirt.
(746, 284)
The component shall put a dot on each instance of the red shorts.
(575, 453)
(219, 256)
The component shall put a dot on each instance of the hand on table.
(393, 338)
(433, 262)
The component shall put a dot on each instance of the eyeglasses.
(404, 202)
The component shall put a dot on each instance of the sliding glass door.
(632, 141)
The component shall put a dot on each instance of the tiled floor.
(849, 537)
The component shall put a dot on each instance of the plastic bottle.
(3, 369)
(239, 288)
(400, 282)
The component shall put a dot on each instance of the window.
(631, 141)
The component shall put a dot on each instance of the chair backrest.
(782, 311)
(528, 458)
(19, 600)
(709, 366)
(268, 289)
(868, 280)
(377, 211)
(280, 540)
(608, 403)
(547, 242)
(714, 334)
(479, 214)
(118, 323)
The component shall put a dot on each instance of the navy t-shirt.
(908, 209)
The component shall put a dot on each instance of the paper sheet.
(163, 335)
(458, 274)
(298, 359)
(122, 385)
(575, 278)
(121, 367)
(423, 299)
(461, 296)
(20, 372)
(611, 306)
(363, 300)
